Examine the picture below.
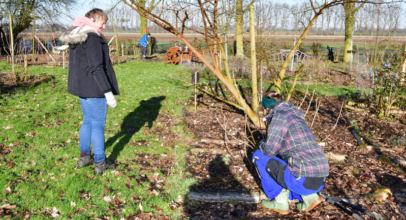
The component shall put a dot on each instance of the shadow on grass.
(146, 113)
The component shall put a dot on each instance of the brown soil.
(227, 167)
(9, 82)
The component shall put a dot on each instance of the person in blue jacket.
(143, 45)
(289, 162)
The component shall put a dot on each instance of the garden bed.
(226, 166)
(9, 83)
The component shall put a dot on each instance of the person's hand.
(111, 101)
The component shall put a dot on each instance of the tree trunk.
(350, 11)
(253, 61)
(143, 20)
(376, 40)
(239, 22)
(349, 29)
(218, 72)
(285, 64)
(143, 25)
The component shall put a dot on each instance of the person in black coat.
(92, 79)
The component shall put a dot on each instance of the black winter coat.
(90, 71)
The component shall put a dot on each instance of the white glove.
(111, 101)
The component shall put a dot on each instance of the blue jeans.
(272, 188)
(92, 130)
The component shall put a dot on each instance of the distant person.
(143, 45)
(92, 79)
(290, 163)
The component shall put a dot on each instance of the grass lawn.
(39, 145)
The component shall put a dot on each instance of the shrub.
(316, 48)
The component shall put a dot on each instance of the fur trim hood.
(77, 35)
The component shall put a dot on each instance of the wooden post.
(25, 68)
(404, 64)
(117, 47)
(63, 59)
(111, 40)
(12, 44)
(195, 92)
(33, 42)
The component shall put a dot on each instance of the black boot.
(85, 161)
(104, 165)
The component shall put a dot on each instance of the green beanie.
(269, 103)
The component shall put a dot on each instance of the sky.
(83, 6)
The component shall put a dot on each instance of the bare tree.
(209, 11)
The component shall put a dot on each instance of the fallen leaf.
(106, 190)
(117, 201)
(8, 206)
(107, 199)
(173, 205)
(10, 165)
(129, 185)
(25, 215)
(73, 204)
(135, 198)
(143, 215)
(153, 192)
(84, 195)
(8, 191)
(154, 177)
(180, 199)
(54, 212)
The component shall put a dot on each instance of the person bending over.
(143, 45)
(289, 162)
(91, 78)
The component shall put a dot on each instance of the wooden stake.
(12, 44)
(111, 40)
(33, 42)
(117, 47)
(404, 64)
(45, 48)
(195, 92)
(25, 68)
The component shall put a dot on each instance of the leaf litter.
(361, 176)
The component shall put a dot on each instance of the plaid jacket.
(292, 140)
